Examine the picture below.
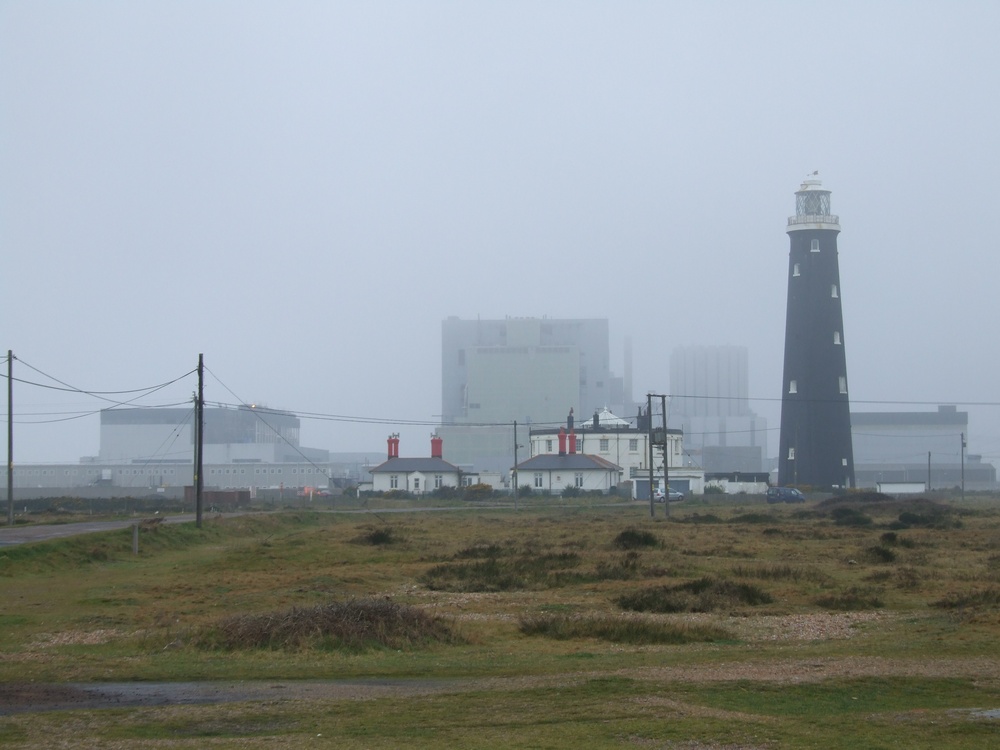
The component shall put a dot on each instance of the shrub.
(878, 554)
(634, 538)
(620, 569)
(475, 492)
(846, 516)
(493, 571)
(984, 599)
(621, 629)
(853, 599)
(701, 595)
(700, 518)
(353, 625)
(379, 536)
(754, 518)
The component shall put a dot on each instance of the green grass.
(534, 648)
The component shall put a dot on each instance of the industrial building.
(524, 370)
(925, 447)
(709, 402)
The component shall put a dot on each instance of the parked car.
(675, 496)
(784, 495)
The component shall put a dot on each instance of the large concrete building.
(815, 443)
(928, 447)
(709, 402)
(525, 370)
(243, 434)
(152, 450)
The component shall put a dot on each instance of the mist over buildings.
(304, 192)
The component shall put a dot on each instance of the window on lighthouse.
(814, 247)
(842, 380)
(793, 386)
(795, 270)
(833, 291)
(836, 337)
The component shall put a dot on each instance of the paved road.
(21, 534)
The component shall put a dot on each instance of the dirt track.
(32, 697)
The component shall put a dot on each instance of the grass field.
(734, 624)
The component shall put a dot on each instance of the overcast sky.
(303, 191)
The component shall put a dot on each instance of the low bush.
(631, 630)
(852, 600)
(380, 536)
(846, 516)
(774, 572)
(634, 539)
(699, 518)
(701, 595)
(878, 555)
(619, 569)
(478, 492)
(496, 572)
(983, 599)
(354, 625)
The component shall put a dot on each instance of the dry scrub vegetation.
(605, 604)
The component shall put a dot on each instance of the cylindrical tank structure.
(815, 443)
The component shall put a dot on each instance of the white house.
(553, 473)
(620, 442)
(417, 476)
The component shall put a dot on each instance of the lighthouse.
(815, 444)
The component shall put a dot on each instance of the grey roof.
(406, 465)
(566, 462)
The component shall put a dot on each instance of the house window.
(814, 246)
(795, 270)
(633, 444)
(842, 380)
(793, 386)
(438, 481)
(604, 444)
(833, 291)
(538, 479)
(394, 481)
(416, 484)
(548, 446)
(578, 479)
(836, 337)
(791, 454)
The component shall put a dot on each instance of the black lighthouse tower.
(815, 411)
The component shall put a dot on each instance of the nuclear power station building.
(815, 443)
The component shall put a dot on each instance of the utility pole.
(515, 466)
(649, 440)
(199, 446)
(963, 467)
(666, 458)
(10, 438)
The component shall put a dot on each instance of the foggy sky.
(302, 191)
